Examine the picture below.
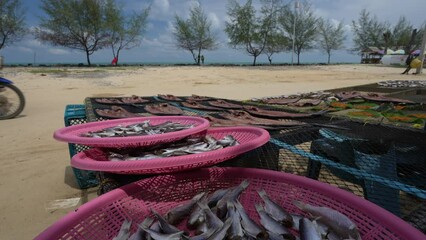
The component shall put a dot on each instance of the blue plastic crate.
(76, 114)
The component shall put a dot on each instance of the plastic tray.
(102, 217)
(248, 137)
(72, 134)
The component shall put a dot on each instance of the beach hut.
(371, 55)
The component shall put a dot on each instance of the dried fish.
(236, 230)
(124, 232)
(271, 224)
(178, 213)
(230, 196)
(308, 230)
(338, 222)
(138, 129)
(249, 226)
(275, 210)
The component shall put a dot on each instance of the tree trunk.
(298, 58)
(118, 53)
(328, 62)
(199, 56)
(254, 60)
(270, 60)
(88, 58)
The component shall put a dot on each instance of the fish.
(308, 230)
(249, 226)
(164, 236)
(216, 196)
(164, 225)
(271, 225)
(175, 215)
(235, 231)
(296, 219)
(338, 222)
(124, 232)
(211, 219)
(140, 233)
(221, 233)
(197, 216)
(230, 196)
(275, 210)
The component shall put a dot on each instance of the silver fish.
(338, 222)
(211, 219)
(165, 226)
(271, 224)
(230, 196)
(221, 233)
(204, 235)
(124, 232)
(249, 226)
(164, 236)
(296, 219)
(176, 214)
(235, 232)
(275, 210)
(308, 230)
(216, 196)
(140, 233)
(197, 215)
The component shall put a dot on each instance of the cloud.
(57, 51)
(25, 49)
(216, 23)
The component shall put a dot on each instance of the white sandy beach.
(35, 168)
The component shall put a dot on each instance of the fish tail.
(198, 196)
(259, 208)
(203, 206)
(245, 184)
(238, 205)
(300, 205)
(262, 194)
(146, 222)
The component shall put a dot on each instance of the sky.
(158, 44)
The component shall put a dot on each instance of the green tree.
(12, 26)
(368, 32)
(331, 37)
(305, 29)
(247, 31)
(124, 32)
(75, 24)
(275, 43)
(194, 34)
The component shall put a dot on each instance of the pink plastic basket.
(72, 134)
(248, 137)
(102, 217)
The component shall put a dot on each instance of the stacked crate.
(76, 114)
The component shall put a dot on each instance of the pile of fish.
(220, 215)
(138, 129)
(186, 146)
(403, 83)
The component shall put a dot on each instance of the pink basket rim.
(68, 134)
(399, 227)
(81, 160)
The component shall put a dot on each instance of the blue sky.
(158, 43)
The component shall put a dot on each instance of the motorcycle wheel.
(12, 101)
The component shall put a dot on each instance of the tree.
(12, 27)
(247, 31)
(331, 36)
(305, 27)
(194, 34)
(275, 43)
(368, 32)
(75, 24)
(124, 32)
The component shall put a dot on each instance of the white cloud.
(25, 49)
(216, 24)
(57, 51)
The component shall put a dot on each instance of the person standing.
(408, 62)
(202, 59)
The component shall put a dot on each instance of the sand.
(35, 168)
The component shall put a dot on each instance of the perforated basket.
(73, 134)
(248, 137)
(101, 218)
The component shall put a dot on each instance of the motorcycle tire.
(17, 109)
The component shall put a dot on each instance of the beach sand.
(35, 168)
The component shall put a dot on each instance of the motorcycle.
(12, 100)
